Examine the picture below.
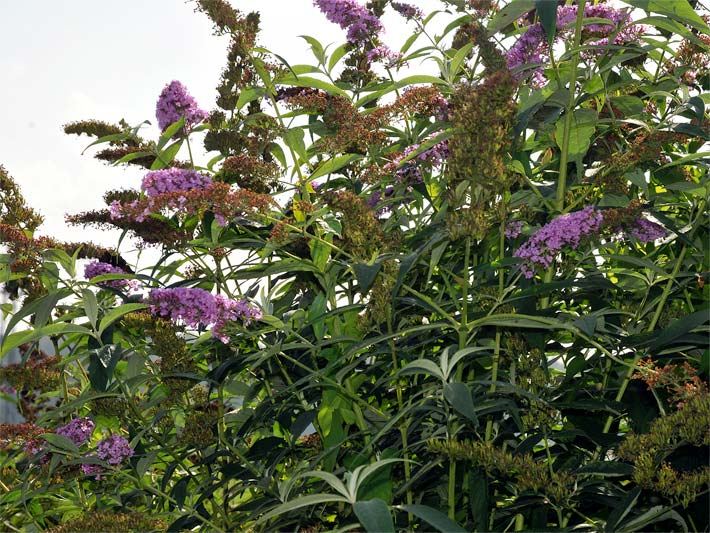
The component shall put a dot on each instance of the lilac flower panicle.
(408, 11)
(411, 171)
(114, 449)
(78, 431)
(199, 308)
(533, 49)
(566, 231)
(99, 268)
(173, 180)
(361, 24)
(195, 307)
(174, 103)
(514, 229)
(645, 231)
(385, 55)
(90, 469)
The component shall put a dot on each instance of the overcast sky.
(78, 59)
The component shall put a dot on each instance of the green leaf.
(510, 13)
(423, 366)
(102, 363)
(167, 156)
(622, 509)
(547, 13)
(659, 513)
(459, 58)
(337, 55)
(582, 128)
(315, 83)
(169, 132)
(434, 518)
(316, 48)
(366, 275)
(90, 306)
(294, 139)
(459, 396)
(61, 442)
(22, 337)
(334, 164)
(686, 159)
(374, 515)
(679, 328)
(116, 313)
(249, 94)
(607, 469)
(679, 10)
(305, 501)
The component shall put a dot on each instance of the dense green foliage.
(408, 371)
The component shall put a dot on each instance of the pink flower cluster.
(532, 47)
(199, 308)
(114, 449)
(175, 103)
(99, 268)
(410, 172)
(78, 431)
(565, 231)
(383, 54)
(173, 180)
(361, 23)
(644, 230)
(408, 11)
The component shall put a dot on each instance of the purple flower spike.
(173, 180)
(78, 431)
(646, 231)
(408, 11)
(174, 103)
(114, 450)
(90, 469)
(360, 22)
(98, 268)
(513, 229)
(198, 307)
(566, 231)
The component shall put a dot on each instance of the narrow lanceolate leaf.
(374, 515)
(438, 520)
(23, 337)
(116, 313)
(298, 503)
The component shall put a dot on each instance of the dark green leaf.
(374, 515)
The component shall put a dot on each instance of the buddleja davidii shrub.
(448, 287)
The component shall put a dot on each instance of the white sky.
(80, 59)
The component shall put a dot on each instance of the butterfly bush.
(565, 231)
(427, 242)
(532, 47)
(99, 268)
(174, 103)
(78, 431)
(198, 308)
(361, 24)
(173, 180)
(114, 450)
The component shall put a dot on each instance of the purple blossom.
(382, 53)
(410, 171)
(360, 22)
(99, 268)
(91, 469)
(532, 47)
(565, 231)
(78, 431)
(114, 449)
(513, 229)
(408, 11)
(644, 231)
(374, 200)
(199, 308)
(174, 103)
(173, 180)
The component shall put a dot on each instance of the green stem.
(652, 325)
(564, 154)
(496, 350)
